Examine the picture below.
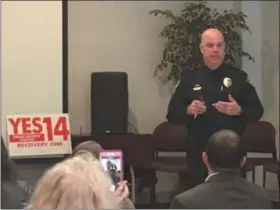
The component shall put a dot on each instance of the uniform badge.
(227, 82)
(196, 87)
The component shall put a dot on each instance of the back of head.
(76, 183)
(88, 146)
(225, 151)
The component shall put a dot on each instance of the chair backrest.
(259, 137)
(169, 138)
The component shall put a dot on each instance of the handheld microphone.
(201, 98)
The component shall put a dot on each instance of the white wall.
(31, 58)
(122, 36)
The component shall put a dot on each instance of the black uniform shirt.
(213, 86)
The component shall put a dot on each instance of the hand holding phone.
(122, 191)
(112, 162)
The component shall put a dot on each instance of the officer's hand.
(230, 108)
(196, 107)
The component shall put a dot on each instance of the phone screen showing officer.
(112, 163)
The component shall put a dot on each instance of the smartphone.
(112, 162)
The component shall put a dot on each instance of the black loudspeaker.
(109, 102)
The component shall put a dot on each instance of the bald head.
(212, 47)
(211, 33)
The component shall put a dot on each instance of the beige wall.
(116, 36)
(270, 70)
(1, 100)
(122, 36)
(270, 62)
(263, 19)
(31, 68)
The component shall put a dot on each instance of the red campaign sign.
(38, 129)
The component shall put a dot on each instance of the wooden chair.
(272, 168)
(168, 138)
(260, 138)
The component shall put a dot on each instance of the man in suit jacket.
(223, 188)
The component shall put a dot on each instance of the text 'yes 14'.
(46, 127)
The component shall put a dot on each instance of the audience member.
(76, 183)
(223, 188)
(94, 148)
(12, 196)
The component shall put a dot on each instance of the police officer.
(210, 98)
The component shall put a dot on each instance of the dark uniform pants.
(197, 171)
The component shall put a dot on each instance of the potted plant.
(183, 37)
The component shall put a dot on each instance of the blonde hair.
(95, 148)
(76, 183)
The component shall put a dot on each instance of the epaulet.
(247, 78)
(249, 81)
(178, 82)
(184, 74)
